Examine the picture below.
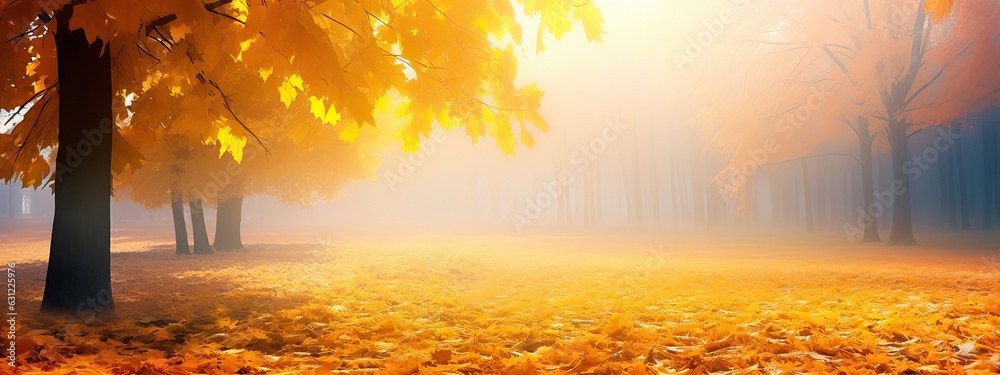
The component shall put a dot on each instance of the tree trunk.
(820, 176)
(989, 173)
(807, 198)
(847, 194)
(10, 201)
(637, 200)
(676, 197)
(963, 198)
(750, 212)
(774, 191)
(629, 198)
(180, 229)
(867, 182)
(789, 210)
(78, 278)
(201, 245)
(227, 224)
(996, 162)
(902, 221)
(953, 188)
(944, 172)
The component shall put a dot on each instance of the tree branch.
(226, 104)
(812, 157)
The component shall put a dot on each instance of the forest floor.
(523, 305)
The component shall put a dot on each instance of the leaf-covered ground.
(492, 305)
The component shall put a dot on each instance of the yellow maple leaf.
(316, 107)
(288, 89)
(350, 133)
(296, 81)
(332, 116)
(591, 18)
(526, 137)
(265, 73)
(227, 323)
(231, 143)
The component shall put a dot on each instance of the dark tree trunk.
(996, 161)
(180, 229)
(201, 245)
(895, 101)
(867, 181)
(227, 224)
(944, 187)
(960, 166)
(989, 173)
(78, 279)
(902, 220)
(953, 207)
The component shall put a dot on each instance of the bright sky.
(631, 75)
(633, 72)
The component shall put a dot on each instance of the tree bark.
(867, 181)
(227, 225)
(944, 171)
(960, 166)
(902, 220)
(201, 245)
(78, 278)
(180, 229)
(996, 162)
(989, 173)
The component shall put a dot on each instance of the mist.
(592, 187)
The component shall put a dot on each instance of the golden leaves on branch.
(224, 73)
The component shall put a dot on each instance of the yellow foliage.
(196, 74)
(227, 142)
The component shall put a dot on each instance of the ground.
(595, 304)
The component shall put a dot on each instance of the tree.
(432, 54)
(930, 76)
(989, 172)
(180, 228)
(889, 64)
(304, 162)
(84, 67)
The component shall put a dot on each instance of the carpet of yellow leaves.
(523, 306)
